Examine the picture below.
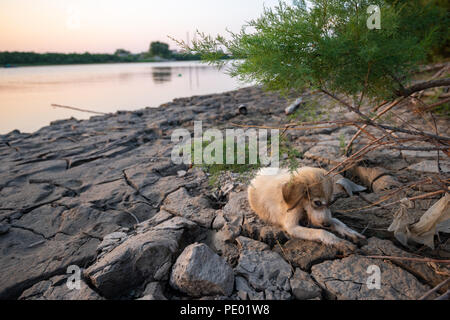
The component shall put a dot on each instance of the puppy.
(286, 199)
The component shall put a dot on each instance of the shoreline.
(225, 93)
(103, 194)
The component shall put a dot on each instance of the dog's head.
(311, 190)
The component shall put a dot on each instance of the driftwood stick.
(438, 287)
(77, 109)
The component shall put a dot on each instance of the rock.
(196, 209)
(430, 166)
(303, 253)
(266, 271)
(56, 289)
(303, 286)
(67, 185)
(27, 258)
(219, 220)
(4, 228)
(110, 241)
(325, 153)
(181, 173)
(234, 211)
(347, 279)
(244, 290)
(242, 295)
(154, 291)
(141, 257)
(274, 294)
(64, 188)
(250, 244)
(220, 242)
(423, 271)
(112, 238)
(158, 218)
(198, 271)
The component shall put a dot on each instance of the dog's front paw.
(346, 247)
(354, 236)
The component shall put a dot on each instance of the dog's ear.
(293, 193)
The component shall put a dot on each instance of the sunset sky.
(106, 25)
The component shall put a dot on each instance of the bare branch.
(423, 86)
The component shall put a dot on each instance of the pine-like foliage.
(327, 46)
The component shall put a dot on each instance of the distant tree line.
(158, 51)
(32, 58)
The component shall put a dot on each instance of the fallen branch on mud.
(78, 109)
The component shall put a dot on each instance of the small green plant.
(288, 159)
(216, 169)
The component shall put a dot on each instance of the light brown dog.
(286, 199)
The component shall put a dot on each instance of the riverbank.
(104, 195)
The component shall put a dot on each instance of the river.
(26, 93)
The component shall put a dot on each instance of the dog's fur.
(286, 199)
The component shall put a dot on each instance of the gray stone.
(56, 289)
(27, 258)
(112, 239)
(329, 154)
(347, 279)
(154, 291)
(158, 218)
(265, 270)
(430, 166)
(219, 220)
(304, 253)
(196, 209)
(303, 286)
(141, 257)
(4, 228)
(423, 271)
(220, 242)
(250, 244)
(244, 290)
(198, 271)
(181, 173)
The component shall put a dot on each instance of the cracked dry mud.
(104, 195)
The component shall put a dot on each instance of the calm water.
(26, 94)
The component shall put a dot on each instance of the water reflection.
(162, 74)
(26, 94)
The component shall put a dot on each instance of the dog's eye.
(318, 203)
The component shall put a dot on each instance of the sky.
(102, 26)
